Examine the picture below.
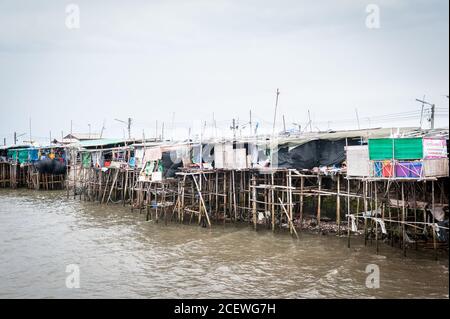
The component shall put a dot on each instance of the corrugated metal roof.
(101, 142)
(83, 136)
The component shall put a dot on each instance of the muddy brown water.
(120, 255)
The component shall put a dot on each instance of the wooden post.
(403, 221)
(348, 214)
(365, 186)
(415, 213)
(224, 197)
(254, 201)
(289, 197)
(113, 186)
(202, 202)
(217, 196)
(272, 201)
(319, 179)
(234, 195)
(302, 185)
(338, 204)
(106, 186)
(289, 218)
(376, 223)
(182, 198)
(434, 231)
(125, 187)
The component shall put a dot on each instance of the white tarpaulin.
(152, 154)
(438, 212)
(358, 160)
(240, 158)
(219, 156)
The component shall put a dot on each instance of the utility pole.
(103, 129)
(251, 128)
(310, 122)
(4, 141)
(433, 109)
(284, 125)
(357, 119)
(275, 113)
(215, 126)
(128, 123)
(421, 111)
(30, 132)
(162, 132)
(173, 122)
(17, 136)
(234, 127)
(50, 137)
(204, 128)
(299, 127)
(129, 128)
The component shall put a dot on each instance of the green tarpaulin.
(21, 156)
(381, 149)
(397, 148)
(12, 154)
(86, 159)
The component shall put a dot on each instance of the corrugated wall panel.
(408, 148)
(380, 149)
(404, 148)
(435, 167)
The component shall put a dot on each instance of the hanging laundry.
(97, 159)
(132, 162)
(382, 225)
(438, 212)
(353, 221)
(86, 159)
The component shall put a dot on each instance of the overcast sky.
(181, 61)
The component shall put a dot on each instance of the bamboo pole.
(365, 186)
(289, 184)
(319, 199)
(338, 204)
(433, 210)
(289, 218)
(302, 185)
(376, 223)
(254, 202)
(348, 214)
(202, 201)
(272, 202)
(403, 221)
